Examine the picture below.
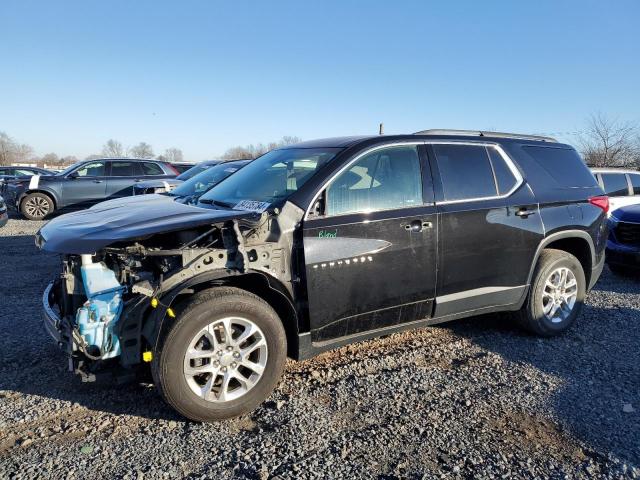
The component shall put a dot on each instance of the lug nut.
(219, 353)
(234, 365)
(224, 369)
(229, 348)
(236, 355)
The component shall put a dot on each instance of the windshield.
(270, 178)
(193, 171)
(206, 179)
(71, 167)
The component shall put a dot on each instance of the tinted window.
(383, 179)
(635, 182)
(465, 172)
(564, 165)
(270, 178)
(93, 169)
(615, 184)
(7, 171)
(192, 172)
(149, 168)
(206, 179)
(504, 177)
(123, 169)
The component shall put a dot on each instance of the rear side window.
(383, 179)
(615, 184)
(564, 165)
(504, 176)
(635, 183)
(149, 168)
(123, 169)
(465, 172)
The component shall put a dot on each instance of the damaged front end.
(107, 307)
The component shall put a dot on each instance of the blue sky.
(205, 76)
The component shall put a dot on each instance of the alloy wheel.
(225, 359)
(559, 295)
(37, 207)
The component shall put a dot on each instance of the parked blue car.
(623, 246)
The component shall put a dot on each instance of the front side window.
(93, 169)
(635, 183)
(615, 184)
(383, 179)
(465, 172)
(149, 168)
(269, 179)
(123, 169)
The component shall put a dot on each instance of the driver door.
(85, 185)
(370, 257)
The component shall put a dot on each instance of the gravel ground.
(475, 398)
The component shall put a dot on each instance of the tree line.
(604, 142)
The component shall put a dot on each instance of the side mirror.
(73, 175)
(318, 207)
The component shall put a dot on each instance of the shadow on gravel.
(598, 361)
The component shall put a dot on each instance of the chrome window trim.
(351, 162)
(510, 164)
(507, 159)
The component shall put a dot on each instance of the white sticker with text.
(252, 206)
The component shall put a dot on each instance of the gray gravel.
(475, 398)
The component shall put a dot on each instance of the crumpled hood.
(129, 218)
(629, 213)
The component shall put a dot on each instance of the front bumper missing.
(58, 329)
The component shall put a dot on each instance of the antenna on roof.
(381, 129)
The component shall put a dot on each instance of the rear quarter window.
(564, 165)
(635, 182)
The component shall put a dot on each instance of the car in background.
(622, 186)
(4, 215)
(623, 244)
(161, 186)
(182, 167)
(82, 184)
(191, 190)
(9, 172)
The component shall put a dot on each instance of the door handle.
(524, 213)
(97, 181)
(417, 226)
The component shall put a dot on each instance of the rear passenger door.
(371, 254)
(490, 227)
(122, 177)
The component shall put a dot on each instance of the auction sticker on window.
(252, 206)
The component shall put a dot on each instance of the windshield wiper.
(218, 203)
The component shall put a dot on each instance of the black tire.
(36, 206)
(198, 312)
(622, 271)
(531, 316)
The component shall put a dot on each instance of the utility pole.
(381, 130)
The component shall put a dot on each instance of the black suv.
(318, 245)
(81, 185)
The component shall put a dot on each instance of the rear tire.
(207, 375)
(556, 294)
(36, 206)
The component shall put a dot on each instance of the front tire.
(556, 296)
(222, 356)
(36, 206)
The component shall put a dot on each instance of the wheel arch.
(264, 286)
(576, 242)
(47, 192)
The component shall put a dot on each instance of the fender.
(144, 322)
(47, 191)
(559, 236)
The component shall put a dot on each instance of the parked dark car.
(9, 173)
(81, 185)
(182, 167)
(623, 245)
(161, 186)
(318, 245)
(4, 215)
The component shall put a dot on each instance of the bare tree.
(173, 155)
(7, 149)
(142, 150)
(113, 149)
(254, 151)
(609, 142)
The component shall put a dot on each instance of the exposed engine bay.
(111, 304)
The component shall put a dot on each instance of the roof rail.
(478, 133)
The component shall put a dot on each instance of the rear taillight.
(600, 202)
